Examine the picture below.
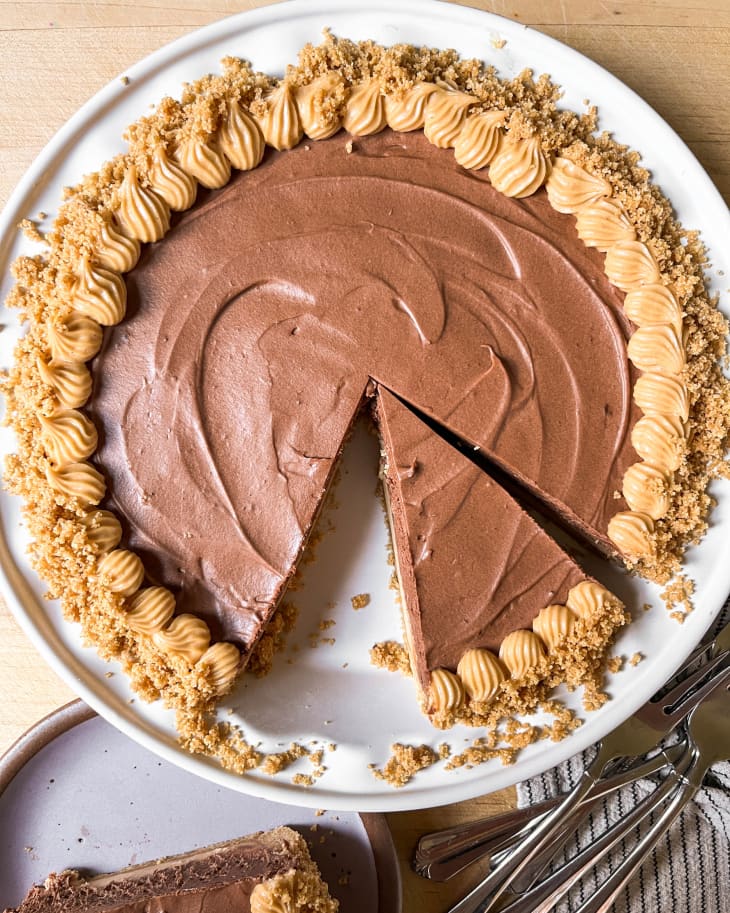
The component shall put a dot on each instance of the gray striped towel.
(688, 872)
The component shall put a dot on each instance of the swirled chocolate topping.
(473, 566)
(253, 332)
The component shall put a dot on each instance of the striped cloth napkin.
(688, 871)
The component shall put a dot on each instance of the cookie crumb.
(278, 761)
(31, 232)
(305, 780)
(636, 658)
(360, 601)
(392, 656)
(404, 762)
(615, 664)
(679, 593)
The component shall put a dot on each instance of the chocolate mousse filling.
(256, 328)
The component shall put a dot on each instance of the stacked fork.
(621, 759)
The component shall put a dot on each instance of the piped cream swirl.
(446, 112)
(570, 187)
(481, 673)
(103, 529)
(205, 161)
(276, 895)
(76, 338)
(280, 124)
(521, 650)
(177, 187)
(660, 440)
(633, 533)
(68, 436)
(316, 123)
(99, 293)
(151, 610)
(519, 167)
(447, 691)
(70, 381)
(646, 489)
(662, 394)
(553, 624)
(653, 304)
(407, 111)
(114, 250)
(187, 636)
(587, 598)
(630, 264)
(122, 571)
(223, 661)
(657, 348)
(478, 140)
(240, 138)
(77, 480)
(602, 223)
(143, 213)
(365, 112)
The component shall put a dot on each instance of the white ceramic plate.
(362, 709)
(77, 794)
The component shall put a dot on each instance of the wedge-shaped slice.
(261, 873)
(479, 578)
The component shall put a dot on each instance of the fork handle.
(546, 894)
(443, 854)
(485, 896)
(602, 900)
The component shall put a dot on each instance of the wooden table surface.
(54, 56)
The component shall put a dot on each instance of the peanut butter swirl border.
(513, 128)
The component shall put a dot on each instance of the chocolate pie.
(385, 228)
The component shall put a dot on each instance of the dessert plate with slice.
(77, 795)
(365, 268)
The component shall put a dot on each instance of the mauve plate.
(332, 693)
(76, 793)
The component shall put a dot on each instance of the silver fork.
(442, 854)
(455, 848)
(709, 735)
(550, 890)
(633, 738)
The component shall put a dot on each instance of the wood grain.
(54, 56)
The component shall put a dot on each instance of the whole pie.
(386, 229)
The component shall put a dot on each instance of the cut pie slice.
(267, 871)
(478, 576)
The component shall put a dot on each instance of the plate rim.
(67, 665)
(67, 717)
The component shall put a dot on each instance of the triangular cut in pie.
(486, 592)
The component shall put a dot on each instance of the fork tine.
(706, 645)
(680, 690)
(719, 669)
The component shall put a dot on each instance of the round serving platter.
(322, 692)
(76, 793)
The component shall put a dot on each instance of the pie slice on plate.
(486, 592)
